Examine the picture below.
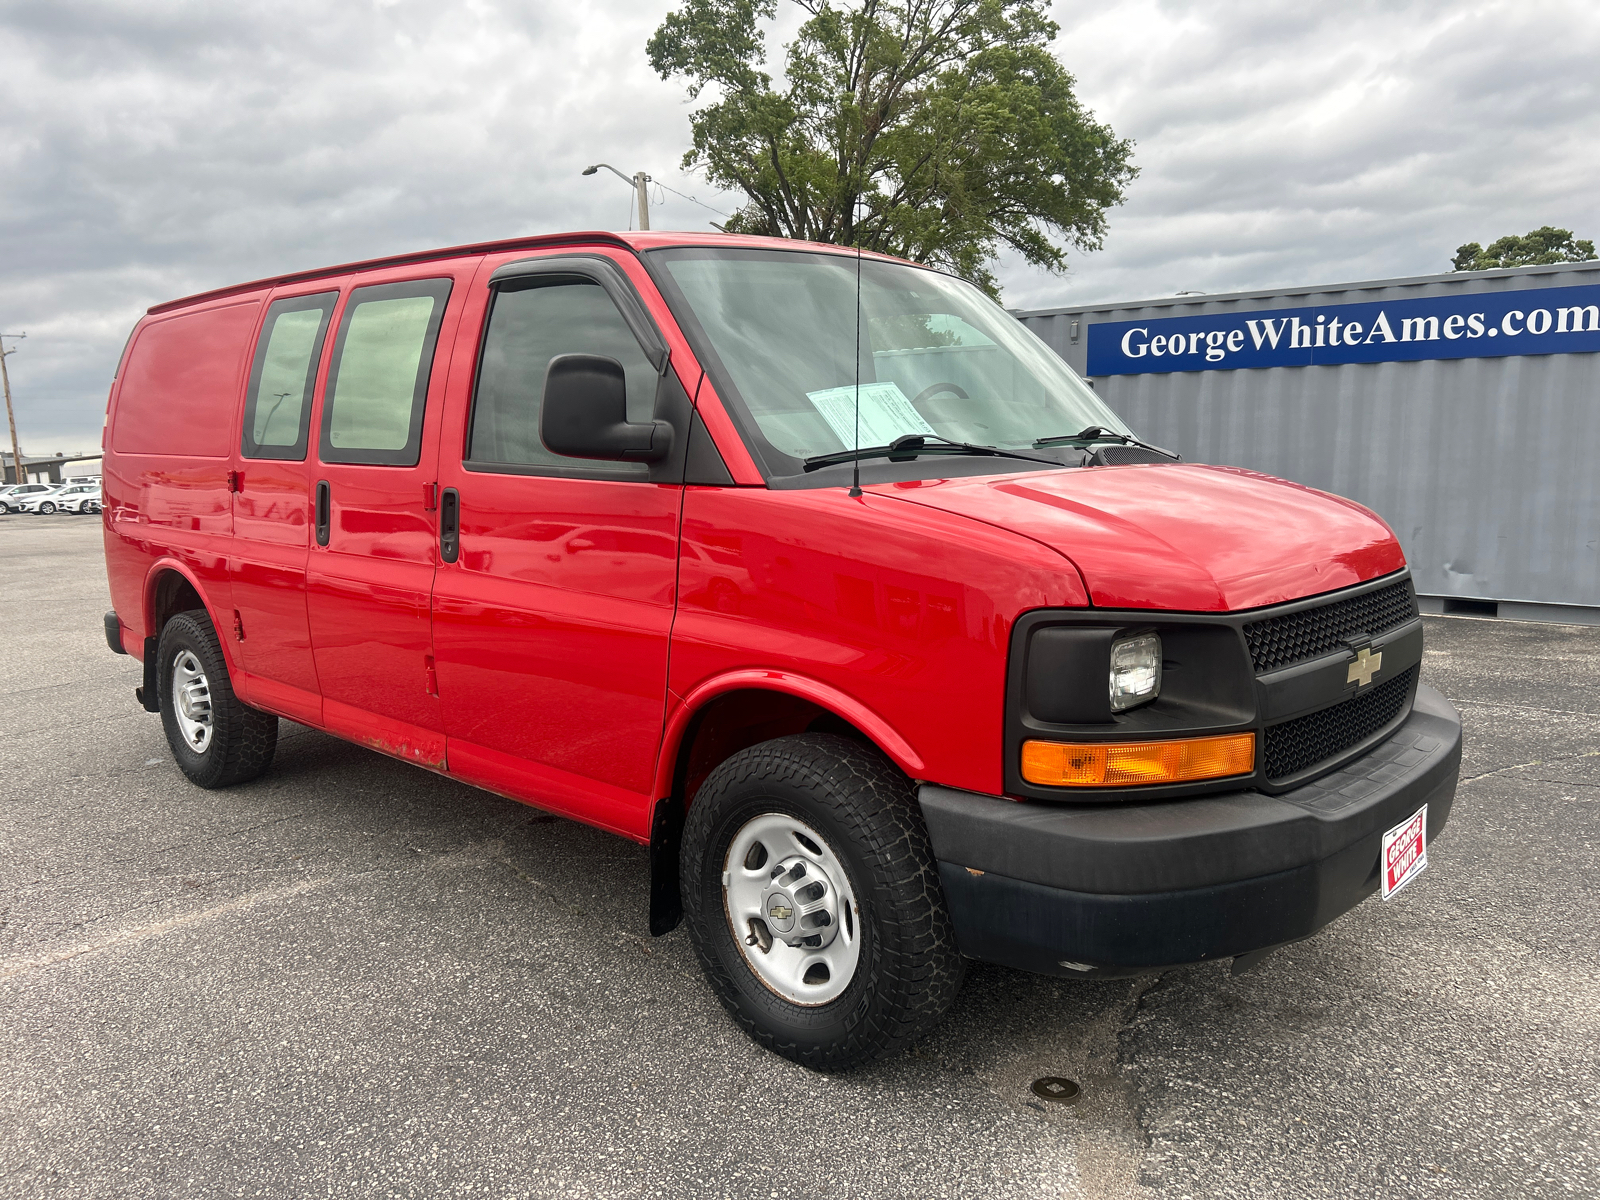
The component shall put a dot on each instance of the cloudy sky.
(153, 148)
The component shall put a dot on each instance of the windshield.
(937, 357)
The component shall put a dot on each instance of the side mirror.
(585, 413)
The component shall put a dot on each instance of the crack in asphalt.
(497, 854)
(474, 854)
(1133, 1008)
(1538, 762)
(156, 929)
(1570, 712)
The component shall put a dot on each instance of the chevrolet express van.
(816, 573)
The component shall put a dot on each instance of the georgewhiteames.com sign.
(1560, 320)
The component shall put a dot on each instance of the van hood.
(1182, 537)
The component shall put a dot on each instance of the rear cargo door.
(372, 555)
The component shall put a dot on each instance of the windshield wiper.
(909, 446)
(1095, 434)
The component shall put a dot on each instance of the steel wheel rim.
(191, 701)
(759, 883)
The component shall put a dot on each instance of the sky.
(150, 149)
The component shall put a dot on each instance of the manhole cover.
(1053, 1087)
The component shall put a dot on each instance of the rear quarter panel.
(172, 422)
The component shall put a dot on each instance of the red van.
(817, 573)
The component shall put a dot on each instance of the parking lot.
(354, 978)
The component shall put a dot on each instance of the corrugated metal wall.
(1488, 469)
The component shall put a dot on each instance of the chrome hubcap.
(191, 701)
(791, 909)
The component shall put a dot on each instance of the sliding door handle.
(324, 504)
(449, 525)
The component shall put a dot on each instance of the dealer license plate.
(1405, 852)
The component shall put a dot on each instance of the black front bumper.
(1123, 889)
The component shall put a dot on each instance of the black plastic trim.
(114, 633)
(1115, 890)
(449, 525)
(703, 462)
(322, 513)
(150, 694)
(666, 835)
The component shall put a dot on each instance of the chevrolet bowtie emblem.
(1366, 665)
(781, 912)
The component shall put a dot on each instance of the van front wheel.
(217, 739)
(813, 900)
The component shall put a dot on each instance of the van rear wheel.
(813, 900)
(216, 739)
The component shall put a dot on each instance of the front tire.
(813, 900)
(47, 508)
(216, 739)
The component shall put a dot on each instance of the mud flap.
(666, 833)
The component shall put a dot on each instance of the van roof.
(628, 241)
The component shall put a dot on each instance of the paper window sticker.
(886, 414)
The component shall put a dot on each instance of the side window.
(529, 324)
(277, 406)
(378, 380)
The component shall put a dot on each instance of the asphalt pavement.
(352, 978)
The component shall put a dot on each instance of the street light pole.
(5, 377)
(638, 181)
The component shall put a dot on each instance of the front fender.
(843, 706)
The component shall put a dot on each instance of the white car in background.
(79, 498)
(15, 496)
(47, 501)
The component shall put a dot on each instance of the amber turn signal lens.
(1125, 764)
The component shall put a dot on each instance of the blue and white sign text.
(1561, 320)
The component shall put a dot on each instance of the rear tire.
(216, 738)
(889, 969)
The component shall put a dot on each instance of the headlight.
(1135, 671)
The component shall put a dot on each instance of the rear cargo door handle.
(324, 503)
(449, 525)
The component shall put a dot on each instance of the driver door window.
(527, 327)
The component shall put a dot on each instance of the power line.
(690, 199)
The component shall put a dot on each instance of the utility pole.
(639, 181)
(11, 419)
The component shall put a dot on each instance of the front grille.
(1295, 637)
(1302, 743)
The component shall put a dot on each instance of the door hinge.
(430, 497)
(236, 481)
(238, 626)
(432, 675)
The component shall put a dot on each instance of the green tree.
(936, 130)
(1542, 246)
